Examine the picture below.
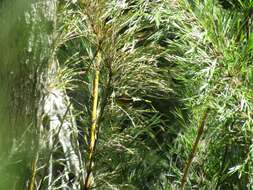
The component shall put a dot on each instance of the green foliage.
(162, 65)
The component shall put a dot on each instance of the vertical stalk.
(93, 130)
(194, 148)
(33, 177)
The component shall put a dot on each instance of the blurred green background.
(15, 115)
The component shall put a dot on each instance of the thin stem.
(88, 182)
(194, 148)
(33, 177)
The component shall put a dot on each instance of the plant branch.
(194, 148)
(33, 177)
(87, 182)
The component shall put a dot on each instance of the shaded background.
(15, 93)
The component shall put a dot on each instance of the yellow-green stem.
(88, 183)
(194, 148)
(33, 177)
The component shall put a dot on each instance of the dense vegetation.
(126, 94)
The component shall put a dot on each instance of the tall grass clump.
(131, 94)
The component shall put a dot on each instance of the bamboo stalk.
(93, 130)
(194, 148)
(33, 177)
